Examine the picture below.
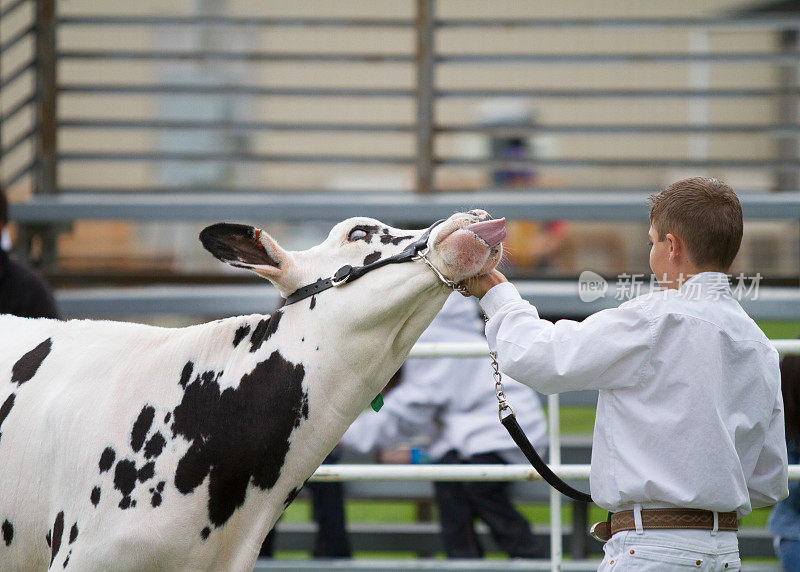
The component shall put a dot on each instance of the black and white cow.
(131, 447)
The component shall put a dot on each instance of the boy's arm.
(769, 482)
(608, 350)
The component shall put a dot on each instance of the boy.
(689, 413)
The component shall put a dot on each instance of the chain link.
(499, 390)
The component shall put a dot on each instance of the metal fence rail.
(258, 206)
(552, 298)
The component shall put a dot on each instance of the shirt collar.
(708, 282)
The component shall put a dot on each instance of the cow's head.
(458, 247)
(399, 300)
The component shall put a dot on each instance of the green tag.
(377, 403)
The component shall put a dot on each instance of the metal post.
(45, 181)
(425, 69)
(554, 428)
(699, 107)
(788, 177)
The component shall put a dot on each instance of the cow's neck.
(375, 339)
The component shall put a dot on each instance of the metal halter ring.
(423, 255)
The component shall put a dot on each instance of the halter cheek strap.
(415, 251)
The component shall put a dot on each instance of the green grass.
(779, 330)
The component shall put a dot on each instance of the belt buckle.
(601, 531)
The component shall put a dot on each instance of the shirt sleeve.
(769, 482)
(409, 410)
(608, 350)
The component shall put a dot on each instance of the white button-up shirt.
(449, 403)
(689, 412)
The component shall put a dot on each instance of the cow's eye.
(357, 234)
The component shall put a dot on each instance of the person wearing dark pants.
(460, 503)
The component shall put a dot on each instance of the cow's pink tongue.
(491, 231)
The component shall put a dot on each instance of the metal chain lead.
(460, 288)
(499, 390)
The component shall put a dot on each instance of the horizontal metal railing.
(552, 298)
(388, 206)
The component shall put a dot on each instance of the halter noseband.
(418, 250)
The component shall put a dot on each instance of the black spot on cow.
(156, 499)
(95, 496)
(66, 560)
(313, 303)
(157, 491)
(58, 530)
(186, 375)
(154, 446)
(264, 330)
(142, 426)
(48, 538)
(374, 257)
(387, 238)
(291, 496)
(27, 366)
(107, 459)
(240, 435)
(8, 532)
(5, 409)
(73, 533)
(167, 417)
(241, 333)
(125, 476)
(146, 472)
(205, 533)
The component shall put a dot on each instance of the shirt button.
(632, 551)
(726, 565)
(699, 562)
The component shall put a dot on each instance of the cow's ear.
(245, 246)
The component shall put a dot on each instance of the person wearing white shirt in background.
(689, 414)
(450, 403)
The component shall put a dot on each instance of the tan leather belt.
(665, 518)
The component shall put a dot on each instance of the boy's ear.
(245, 246)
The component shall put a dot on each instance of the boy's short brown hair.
(706, 214)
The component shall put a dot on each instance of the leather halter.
(349, 273)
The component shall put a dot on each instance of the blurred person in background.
(450, 402)
(784, 520)
(23, 292)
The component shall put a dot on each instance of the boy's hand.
(480, 285)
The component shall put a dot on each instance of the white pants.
(671, 550)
